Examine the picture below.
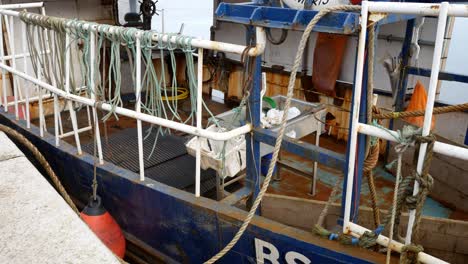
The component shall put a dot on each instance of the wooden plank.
(443, 238)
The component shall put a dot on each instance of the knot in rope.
(425, 182)
(411, 201)
(409, 254)
(147, 41)
(320, 231)
(346, 239)
(427, 139)
(368, 239)
(128, 37)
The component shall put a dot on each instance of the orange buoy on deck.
(104, 226)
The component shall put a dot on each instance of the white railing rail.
(442, 11)
(91, 101)
(10, 32)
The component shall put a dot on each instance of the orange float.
(418, 102)
(104, 226)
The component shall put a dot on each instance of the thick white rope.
(399, 150)
(290, 93)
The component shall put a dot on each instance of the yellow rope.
(182, 93)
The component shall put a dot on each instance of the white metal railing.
(91, 101)
(10, 32)
(442, 11)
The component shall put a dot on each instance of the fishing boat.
(239, 149)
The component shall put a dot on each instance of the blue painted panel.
(324, 156)
(466, 137)
(394, 18)
(253, 108)
(286, 18)
(446, 76)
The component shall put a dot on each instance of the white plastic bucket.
(316, 4)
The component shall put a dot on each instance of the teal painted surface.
(431, 207)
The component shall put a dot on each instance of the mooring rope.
(416, 113)
(43, 162)
(399, 149)
(373, 143)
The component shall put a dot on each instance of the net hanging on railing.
(158, 97)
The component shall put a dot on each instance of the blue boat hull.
(175, 224)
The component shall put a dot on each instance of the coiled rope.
(290, 93)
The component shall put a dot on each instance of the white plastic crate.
(212, 154)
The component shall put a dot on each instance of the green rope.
(49, 33)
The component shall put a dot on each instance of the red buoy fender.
(104, 226)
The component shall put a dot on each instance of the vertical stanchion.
(138, 105)
(317, 142)
(26, 70)
(67, 89)
(199, 121)
(54, 83)
(92, 87)
(13, 65)
(2, 53)
(253, 178)
(441, 24)
(355, 117)
(42, 125)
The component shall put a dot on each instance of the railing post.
(199, 122)
(138, 105)
(442, 22)
(42, 125)
(92, 86)
(13, 65)
(26, 70)
(253, 116)
(67, 89)
(2, 54)
(355, 118)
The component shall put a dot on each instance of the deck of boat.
(119, 138)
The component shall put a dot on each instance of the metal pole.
(317, 142)
(355, 116)
(67, 89)
(419, 9)
(439, 147)
(22, 6)
(219, 136)
(138, 106)
(2, 53)
(253, 116)
(92, 86)
(405, 55)
(442, 22)
(199, 123)
(196, 43)
(26, 70)
(42, 124)
(56, 106)
(27, 54)
(358, 231)
(13, 65)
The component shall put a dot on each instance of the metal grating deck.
(170, 164)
